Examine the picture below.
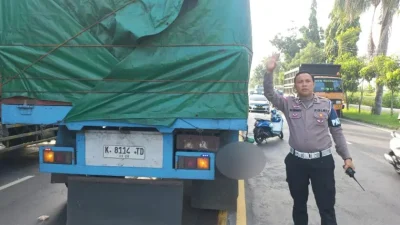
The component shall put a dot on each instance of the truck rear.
(137, 88)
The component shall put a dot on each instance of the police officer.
(310, 118)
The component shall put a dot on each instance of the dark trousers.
(320, 171)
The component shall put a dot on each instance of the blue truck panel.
(12, 114)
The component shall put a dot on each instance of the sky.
(271, 17)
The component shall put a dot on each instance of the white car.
(258, 103)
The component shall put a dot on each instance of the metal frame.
(55, 114)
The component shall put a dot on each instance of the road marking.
(241, 217)
(366, 125)
(374, 157)
(348, 143)
(222, 217)
(15, 182)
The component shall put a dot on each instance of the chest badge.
(296, 106)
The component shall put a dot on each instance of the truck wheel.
(281, 135)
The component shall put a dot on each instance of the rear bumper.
(78, 167)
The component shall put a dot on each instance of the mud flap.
(104, 201)
(218, 194)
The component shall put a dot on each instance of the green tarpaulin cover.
(142, 61)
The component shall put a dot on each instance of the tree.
(257, 77)
(392, 81)
(310, 54)
(350, 67)
(387, 69)
(367, 73)
(312, 32)
(289, 45)
(339, 27)
(354, 8)
(347, 41)
(389, 9)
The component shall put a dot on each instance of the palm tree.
(354, 8)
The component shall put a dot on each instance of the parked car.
(258, 103)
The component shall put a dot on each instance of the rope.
(128, 46)
(131, 92)
(133, 80)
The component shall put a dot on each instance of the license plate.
(124, 152)
(124, 149)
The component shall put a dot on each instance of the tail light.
(192, 162)
(57, 157)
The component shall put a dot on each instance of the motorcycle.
(393, 157)
(264, 129)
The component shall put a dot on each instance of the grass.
(383, 120)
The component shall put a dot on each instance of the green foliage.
(382, 65)
(289, 45)
(387, 98)
(311, 34)
(369, 99)
(370, 89)
(351, 9)
(310, 54)
(258, 75)
(383, 120)
(347, 41)
(340, 27)
(368, 73)
(351, 67)
(392, 80)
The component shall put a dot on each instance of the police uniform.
(310, 156)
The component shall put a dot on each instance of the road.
(267, 198)
(26, 195)
(269, 202)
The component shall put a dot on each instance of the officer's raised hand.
(271, 62)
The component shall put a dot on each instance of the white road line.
(15, 182)
(366, 125)
(348, 143)
(374, 157)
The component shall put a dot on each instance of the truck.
(328, 82)
(145, 96)
(18, 136)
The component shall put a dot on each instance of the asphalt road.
(269, 202)
(267, 198)
(26, 195)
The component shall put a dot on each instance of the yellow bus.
(328, 82)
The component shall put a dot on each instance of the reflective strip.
(311, 155)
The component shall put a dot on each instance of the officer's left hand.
(348, 163)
